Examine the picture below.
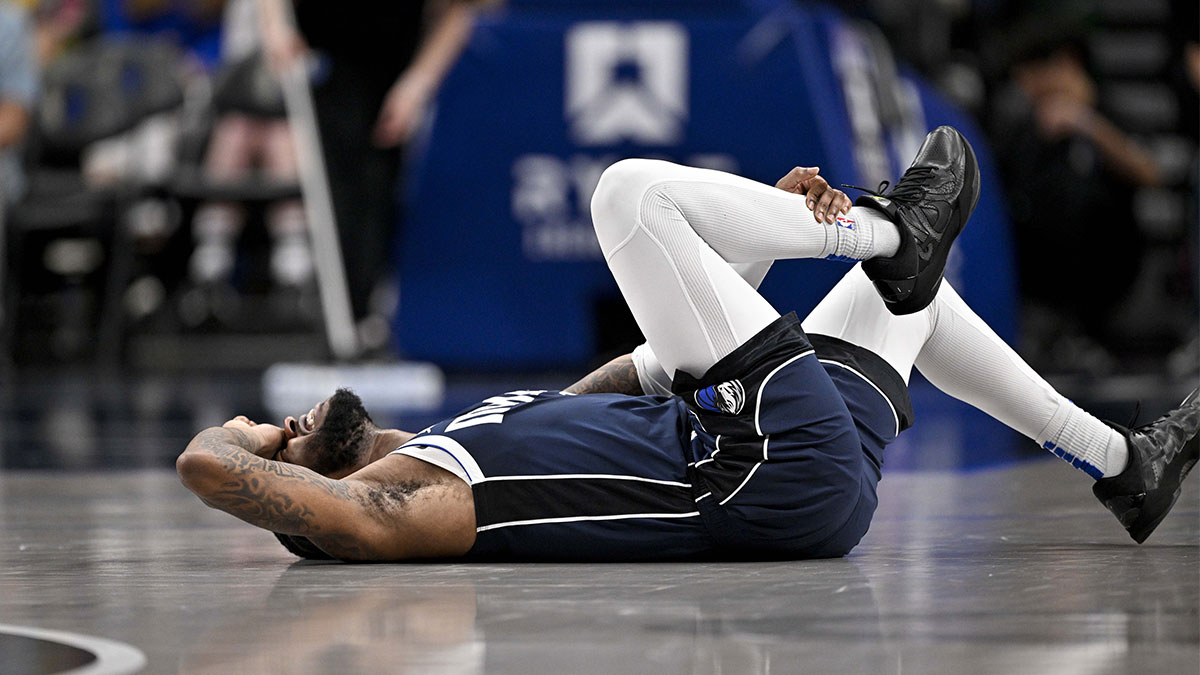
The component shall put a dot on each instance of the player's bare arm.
(396, 508)
(618, 376)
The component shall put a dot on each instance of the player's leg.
(664, 228)
(963, 356)
(1138, 471)
(652, 378)
(966, 359)
(670, 234)
(750, 379)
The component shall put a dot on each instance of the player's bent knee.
(619, 194)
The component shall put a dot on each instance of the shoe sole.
(925, 291)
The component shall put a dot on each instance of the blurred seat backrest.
(106, 87)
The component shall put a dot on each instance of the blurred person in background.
(1070, 174)
(18, 94)
(56, 23)
(1186, 48)
(249, 135)
(377, 77)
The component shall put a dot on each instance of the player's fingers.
(815, 186)
(794, 180)
(808, 177)
(844, 203)
(826, 208)
(788, 181)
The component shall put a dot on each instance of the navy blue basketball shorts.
(787, 442)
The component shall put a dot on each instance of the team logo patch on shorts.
(727, 397)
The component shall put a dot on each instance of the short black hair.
(340, 438)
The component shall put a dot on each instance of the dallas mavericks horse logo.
(727, 397)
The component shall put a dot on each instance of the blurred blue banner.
(499, 266)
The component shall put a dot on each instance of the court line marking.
(112, 657)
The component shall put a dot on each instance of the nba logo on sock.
(727, 397)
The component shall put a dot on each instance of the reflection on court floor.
(1012, 569)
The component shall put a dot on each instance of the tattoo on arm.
(618, 376)
(333, 515)
(257, 490)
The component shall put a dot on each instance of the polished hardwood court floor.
(1011, 569)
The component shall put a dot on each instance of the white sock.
(864, 233)
(1084, 442)
(214, 228)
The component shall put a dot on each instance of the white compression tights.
(688, 248)
(961, 355)
(670, 234)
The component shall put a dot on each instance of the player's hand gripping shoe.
(930, 205)
(1160, 455)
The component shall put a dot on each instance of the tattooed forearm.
(226, 476)
(618, 376)
(254, 502)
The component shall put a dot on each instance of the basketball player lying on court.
(758, 437)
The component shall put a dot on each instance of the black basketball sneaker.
(930, 205)
(1160, 455)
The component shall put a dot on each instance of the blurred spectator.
(1186, 359)
(56, 23)
(370, 95)
(250, 134)
(18, 92)
(1070, 175)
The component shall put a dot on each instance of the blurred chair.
(245, 93)
(103, 105)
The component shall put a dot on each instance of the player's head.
(333, 439)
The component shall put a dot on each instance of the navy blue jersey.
(774, 453)
(557, 476)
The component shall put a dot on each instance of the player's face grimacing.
(330, 439)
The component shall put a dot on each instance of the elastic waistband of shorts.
(871, 366)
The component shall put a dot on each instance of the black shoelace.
(1137, 411)
(906, 190)
(878, 192)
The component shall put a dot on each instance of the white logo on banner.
(627, 82)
